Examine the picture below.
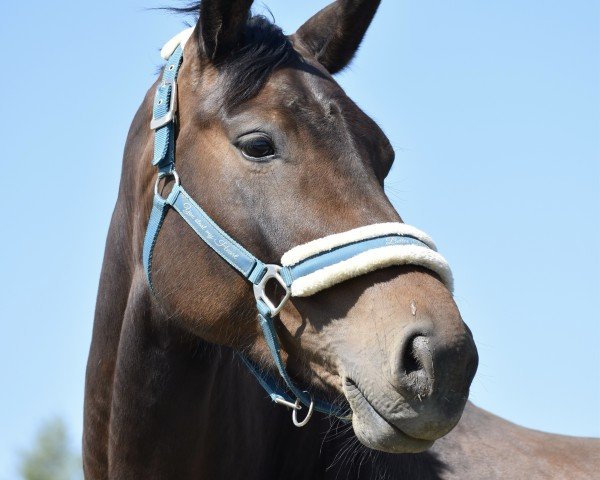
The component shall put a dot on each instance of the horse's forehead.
(313, 102)
(298, 88)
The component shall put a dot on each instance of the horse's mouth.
(374, 430)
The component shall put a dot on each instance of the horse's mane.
(264, 48)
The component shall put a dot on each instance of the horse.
(277, 156)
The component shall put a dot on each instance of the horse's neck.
(181, 406)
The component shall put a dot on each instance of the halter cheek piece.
(304, 270)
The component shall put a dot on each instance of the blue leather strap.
(342, 253)
(227, 248)
(157, 215)
(269, 383)
(219, 241)
(160, 207)
(164, 137)
(268, 328)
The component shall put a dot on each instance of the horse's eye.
(257, 148)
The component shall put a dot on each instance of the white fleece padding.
(370, 261)
(325, 244)
(180, 39)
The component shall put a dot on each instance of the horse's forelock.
(245, 70)
(265, 48)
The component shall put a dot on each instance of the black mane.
(264, 49)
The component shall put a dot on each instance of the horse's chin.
(375, 432)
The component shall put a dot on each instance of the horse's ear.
(221, 25)
(334, 34)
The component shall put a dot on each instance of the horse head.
(275, 152)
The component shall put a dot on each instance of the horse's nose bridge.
(356, 194)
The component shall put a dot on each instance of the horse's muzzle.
(422, 395)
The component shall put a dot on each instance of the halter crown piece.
(304, 270)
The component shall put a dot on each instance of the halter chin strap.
(304, 270)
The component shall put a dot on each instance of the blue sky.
(493, 109)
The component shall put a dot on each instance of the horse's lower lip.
(418, 443)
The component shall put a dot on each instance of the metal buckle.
(170, 115)
(259, 289)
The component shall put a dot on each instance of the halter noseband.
(304, 270)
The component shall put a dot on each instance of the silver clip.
(296, 406)
(281, 401)
(308, 415)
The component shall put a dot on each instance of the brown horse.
(273, 150)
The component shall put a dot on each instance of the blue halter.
(251, 268)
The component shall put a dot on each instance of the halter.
(304, 270)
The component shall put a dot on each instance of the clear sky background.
(492, 106)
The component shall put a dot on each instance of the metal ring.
(308, 415)
(272, 272)
(165, 175)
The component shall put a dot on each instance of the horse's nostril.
(415, 367)
(411, 361)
